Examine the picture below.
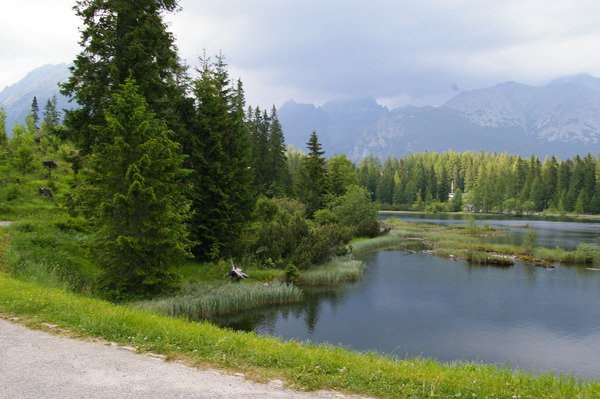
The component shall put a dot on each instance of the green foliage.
(334, 272)
(271, 173)
(312, 183)
(355, 209)
(218, 149)
(3, 135)
(341, 174)
(457, 201)
(49, 250)
(134, 192)
(204, 300)
(283, 235)
(530, 240)
(121, 39)
(292, 274)
(52, 118)
(587, 253)
(485, 182)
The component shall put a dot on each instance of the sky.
(401, 52)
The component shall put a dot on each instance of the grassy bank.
(303, 366)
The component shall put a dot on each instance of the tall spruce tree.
(312, 182)
(134, 191)
(218, 147)
(35, 112)
(51, 114)
(121, 39)
(258, 128)
(3, 135)
(279, 177)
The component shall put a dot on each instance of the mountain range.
(561, 118)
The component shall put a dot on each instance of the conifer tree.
(219, 155)
(3, 136)
(51, 114)
(312, 182)
(279, 178)
(258, 128)
(121, 39)
(134, 191)
(35, 112)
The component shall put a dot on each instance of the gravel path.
(36, 364)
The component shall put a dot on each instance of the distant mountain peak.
(41, 83)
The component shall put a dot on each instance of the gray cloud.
(397, 51)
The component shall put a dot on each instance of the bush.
(291, 273)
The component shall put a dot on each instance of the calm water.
(421, 305)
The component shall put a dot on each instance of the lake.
(412, 305)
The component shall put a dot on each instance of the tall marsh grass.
(393, 238)
(204, 300)
(584, 254)
(334, 272)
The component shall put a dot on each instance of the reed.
(392, 239)
(335, 272)
(204, 300)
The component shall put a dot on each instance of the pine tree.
(35, 112)
(51, 114)
(218, 147)
(279, 177)
(258, 128)
(3, 136)
(312, 183)
(134, 191)
(121, 39)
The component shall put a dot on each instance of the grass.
(301, 365)
(51, 252)
(204, 300)
(462, 242)
(393, 239)
(334, 272)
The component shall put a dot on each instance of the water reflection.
(264, 320)
(422, 305)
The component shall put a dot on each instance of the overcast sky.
(398, 51)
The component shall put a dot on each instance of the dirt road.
(35, 364)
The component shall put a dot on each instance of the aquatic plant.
(203, 300)
(336, 271)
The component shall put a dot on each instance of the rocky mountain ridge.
(561, 118)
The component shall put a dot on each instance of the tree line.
(484, 182)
